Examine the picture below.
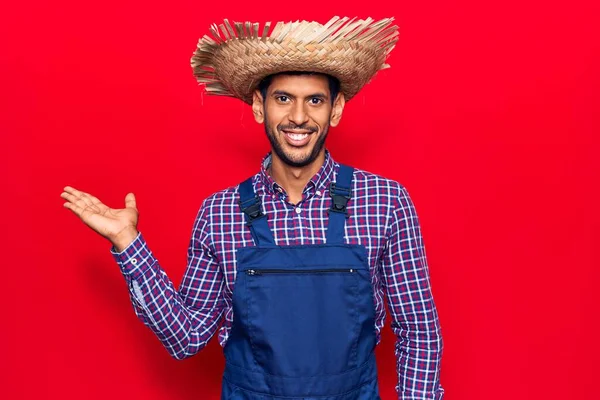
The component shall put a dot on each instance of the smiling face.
(297, 112)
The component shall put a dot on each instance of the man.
(297, 258)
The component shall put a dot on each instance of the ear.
(338, 108)
(257, 106)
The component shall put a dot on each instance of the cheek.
(320, 118)
(273, 123)
(274, 117)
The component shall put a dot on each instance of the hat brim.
(352, 52)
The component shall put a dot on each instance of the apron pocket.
(303, 322)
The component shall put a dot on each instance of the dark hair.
(334, 83)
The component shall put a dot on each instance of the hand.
(117, 225)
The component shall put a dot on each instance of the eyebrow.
(284, 93)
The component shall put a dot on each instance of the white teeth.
(298, 136)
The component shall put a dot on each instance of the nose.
(298, 114)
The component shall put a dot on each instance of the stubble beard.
(277, 146)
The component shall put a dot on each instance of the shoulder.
(377, 187)
(224, 201)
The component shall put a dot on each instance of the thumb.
(130, 201)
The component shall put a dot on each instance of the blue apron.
(303, 316)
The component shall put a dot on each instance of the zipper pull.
(252, 272)
(351, 270)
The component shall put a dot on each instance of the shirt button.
(318, 193)
(298, 210)
(134, 261)
(279, 189)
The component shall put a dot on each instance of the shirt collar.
(317, 182)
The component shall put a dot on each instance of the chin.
(299, 158)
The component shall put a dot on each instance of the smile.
(297, 136)
(297, 139)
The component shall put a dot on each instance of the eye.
(282, 98)
(316, 100)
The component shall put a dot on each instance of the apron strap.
(255, 218)
(340, 192)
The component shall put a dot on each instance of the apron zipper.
(301, 271)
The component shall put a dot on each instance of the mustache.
(294, 127)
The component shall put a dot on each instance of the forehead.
(300, 85)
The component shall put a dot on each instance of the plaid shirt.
(382, 218)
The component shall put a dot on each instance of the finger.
(81, 212)
(78, 201)
(98, 205)
(72, 191)
(72, 198)
(130, 201)
(76, 193)
(94, 199)
(77, 210)
(86, 197)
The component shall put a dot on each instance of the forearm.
(159, 305)
(418, 351)
(415, 323)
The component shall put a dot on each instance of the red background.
(489, 116)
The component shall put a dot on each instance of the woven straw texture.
(237, 57)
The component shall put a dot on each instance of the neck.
(294, 179)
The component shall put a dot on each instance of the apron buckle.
(340, 196)
(252, 211)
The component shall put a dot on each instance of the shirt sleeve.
(415, 323)
(185, 319)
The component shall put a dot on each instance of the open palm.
(108, 222)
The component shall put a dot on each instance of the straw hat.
(238, 57)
